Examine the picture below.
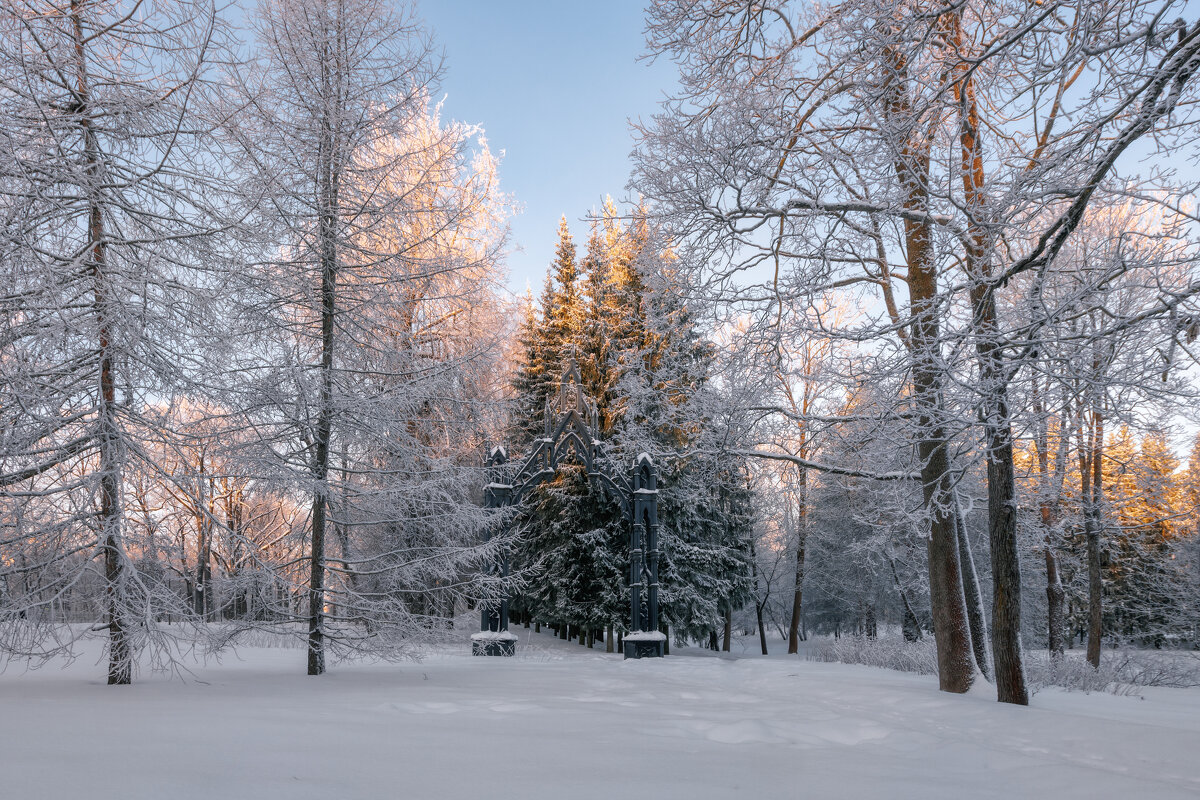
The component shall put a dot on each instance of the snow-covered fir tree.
(645, 365)
(546, 334)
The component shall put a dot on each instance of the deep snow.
(560, 721)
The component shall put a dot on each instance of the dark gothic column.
(644, 640)
(651, 511)
(637, 565)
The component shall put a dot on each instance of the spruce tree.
(645, 366)
(1144, 585)
(547, 337)
(670, 412)
(576, 562)
(568, 550)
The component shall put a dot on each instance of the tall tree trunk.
(993, 379)
(758, 601)
(120, 653)
(1048, 507)
(317, 554)
(801, 541)
(1055, 595)
(1006, 564)
(972, 594)
(911, 163)
(1002, 502)
(324, 427)
(951, 628)
(911, 626)
(108, 433)
(797, 598)
(202, 604)
(341, 529)
(329, 159)
(1093, 492)
(728, 628)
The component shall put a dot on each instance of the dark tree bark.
(762, 632)
(202, 605)
(911, 626)
(728, 628)
(1092, 486)
(801, 540)
(1006, 565)
(1055, 596)
(759, 600)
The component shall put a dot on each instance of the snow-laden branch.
(829, 468)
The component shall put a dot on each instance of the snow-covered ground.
(560, 721)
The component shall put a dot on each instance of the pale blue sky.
(554, 85)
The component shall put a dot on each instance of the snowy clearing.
(560, 721)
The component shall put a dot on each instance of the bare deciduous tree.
(107, 268)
